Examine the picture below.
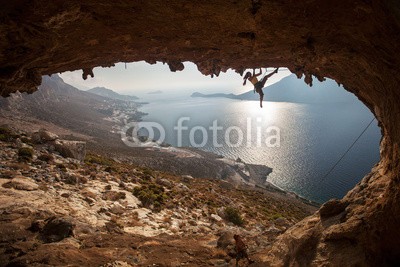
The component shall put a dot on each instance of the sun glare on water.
(267, 114)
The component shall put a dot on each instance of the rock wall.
(354, 42)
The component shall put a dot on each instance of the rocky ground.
(60, 211)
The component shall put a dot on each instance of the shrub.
(276, 216)
(62, 167)
(151, 195)
(97, 159)
(147, 172)
(25, 154)
(232, 215)
(110, 169)
(6, 135)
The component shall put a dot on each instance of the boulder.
(56, 229)
(164, 182)
(43, 136)
(71, 149)
(271, 233)
(187, 179)
(332, 207)
(117, 208)
(22, 183)
(182, 187)
(215, 217)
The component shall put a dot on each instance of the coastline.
(259, 172)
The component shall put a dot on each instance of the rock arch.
(354, 42)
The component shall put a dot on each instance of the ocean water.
(312, 137)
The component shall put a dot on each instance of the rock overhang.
(352, 42)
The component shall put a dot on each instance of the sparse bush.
(62, 167)
(233, 215)
(151, 195)
(113, 195)
(210, 203)
(276, 216)
(110, 169)
(73, 166)
(25, 154)
(97, 159)
(6, 135)
(148, 171)
(71, 179)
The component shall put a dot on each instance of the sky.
(141, 78)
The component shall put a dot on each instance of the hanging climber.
(258, 85)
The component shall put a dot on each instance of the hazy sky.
(141, 77)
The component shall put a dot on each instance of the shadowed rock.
(56, 229)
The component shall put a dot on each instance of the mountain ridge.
(291, 89)
(106, 92)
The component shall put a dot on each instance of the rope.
(347, 151)
(265, 74)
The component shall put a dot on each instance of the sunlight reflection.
(268, 113)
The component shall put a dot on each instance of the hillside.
(72, 113)
(56, 210)
(291, 89)
(102, 91)
(59, 105)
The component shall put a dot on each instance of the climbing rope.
(347, 151)
(265, 74)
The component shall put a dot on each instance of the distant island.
(105, 92)
(290, 90)
(155, 92)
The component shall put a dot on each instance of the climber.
(258, 85)
(241, 250)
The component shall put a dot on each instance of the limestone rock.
(332, 207)
(43, 136)
(216, 218)
(117, 208)
(71, 149)
(186, 179)
(22, 183)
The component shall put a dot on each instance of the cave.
(356, 43)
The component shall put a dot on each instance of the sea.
(301, 142)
